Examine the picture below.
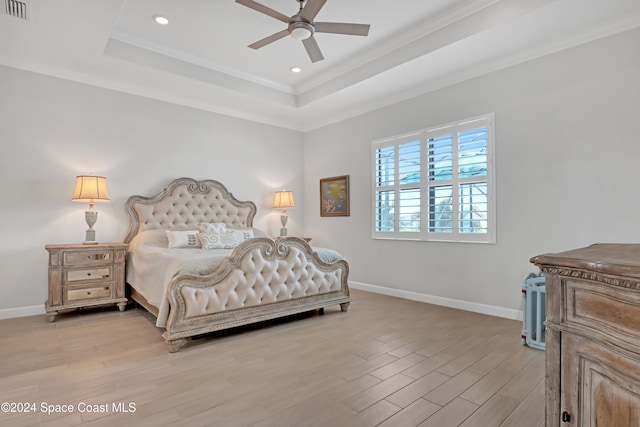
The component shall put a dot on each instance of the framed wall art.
(334, 196)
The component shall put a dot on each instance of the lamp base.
(283, 220)
(90, 237)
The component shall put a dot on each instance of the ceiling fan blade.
(270, 39)
(311, 9)
(264, 9)
(313, 49)
(342, 28)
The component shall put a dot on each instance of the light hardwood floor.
(386, 362)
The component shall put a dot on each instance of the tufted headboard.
(183, 204)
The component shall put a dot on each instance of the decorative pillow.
(242, 234)
(212, 227)
(183, 239)
(217, 240)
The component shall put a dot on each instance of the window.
(436, 184)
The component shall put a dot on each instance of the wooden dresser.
(85, 276)
(593, 336)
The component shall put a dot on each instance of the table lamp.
(91, 189)
(283, 200)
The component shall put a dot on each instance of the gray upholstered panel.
(260, 279)
(185, 203)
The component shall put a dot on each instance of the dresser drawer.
(87, 258)
(78, 294)
(608, 308)
(88, 274)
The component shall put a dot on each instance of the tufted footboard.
(260, 280)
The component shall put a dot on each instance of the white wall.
(567, 150)
(52, 130)
(567, 160)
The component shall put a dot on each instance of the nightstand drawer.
(86, 258)
(88, 274)
(87, 293)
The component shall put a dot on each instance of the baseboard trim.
(491, 310)
(10, 313)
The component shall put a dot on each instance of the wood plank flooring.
(386, 362)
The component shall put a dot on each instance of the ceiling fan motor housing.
(300, 28)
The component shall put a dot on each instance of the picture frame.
(334, 196)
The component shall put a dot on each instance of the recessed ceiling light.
(159, 19)
(296, 69)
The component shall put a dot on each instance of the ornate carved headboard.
(184, 203)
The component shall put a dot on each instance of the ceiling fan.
(301, 26)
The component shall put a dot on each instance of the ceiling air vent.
(16, 8)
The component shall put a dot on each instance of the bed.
(197, 263)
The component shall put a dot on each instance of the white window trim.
(424, 135)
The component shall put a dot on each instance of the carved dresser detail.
(85, 276)
(593, 335)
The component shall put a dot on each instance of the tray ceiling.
(201, 59)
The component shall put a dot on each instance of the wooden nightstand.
(85, 276)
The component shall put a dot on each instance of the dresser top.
(619, 259)
(88, 247)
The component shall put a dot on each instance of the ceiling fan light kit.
(301, 26)
(301, 30)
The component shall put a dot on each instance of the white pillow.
(242, 234)
(217, 240)
(183, 239)
(212, 227)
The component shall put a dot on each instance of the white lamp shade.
(91, 189)
(284, 199)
